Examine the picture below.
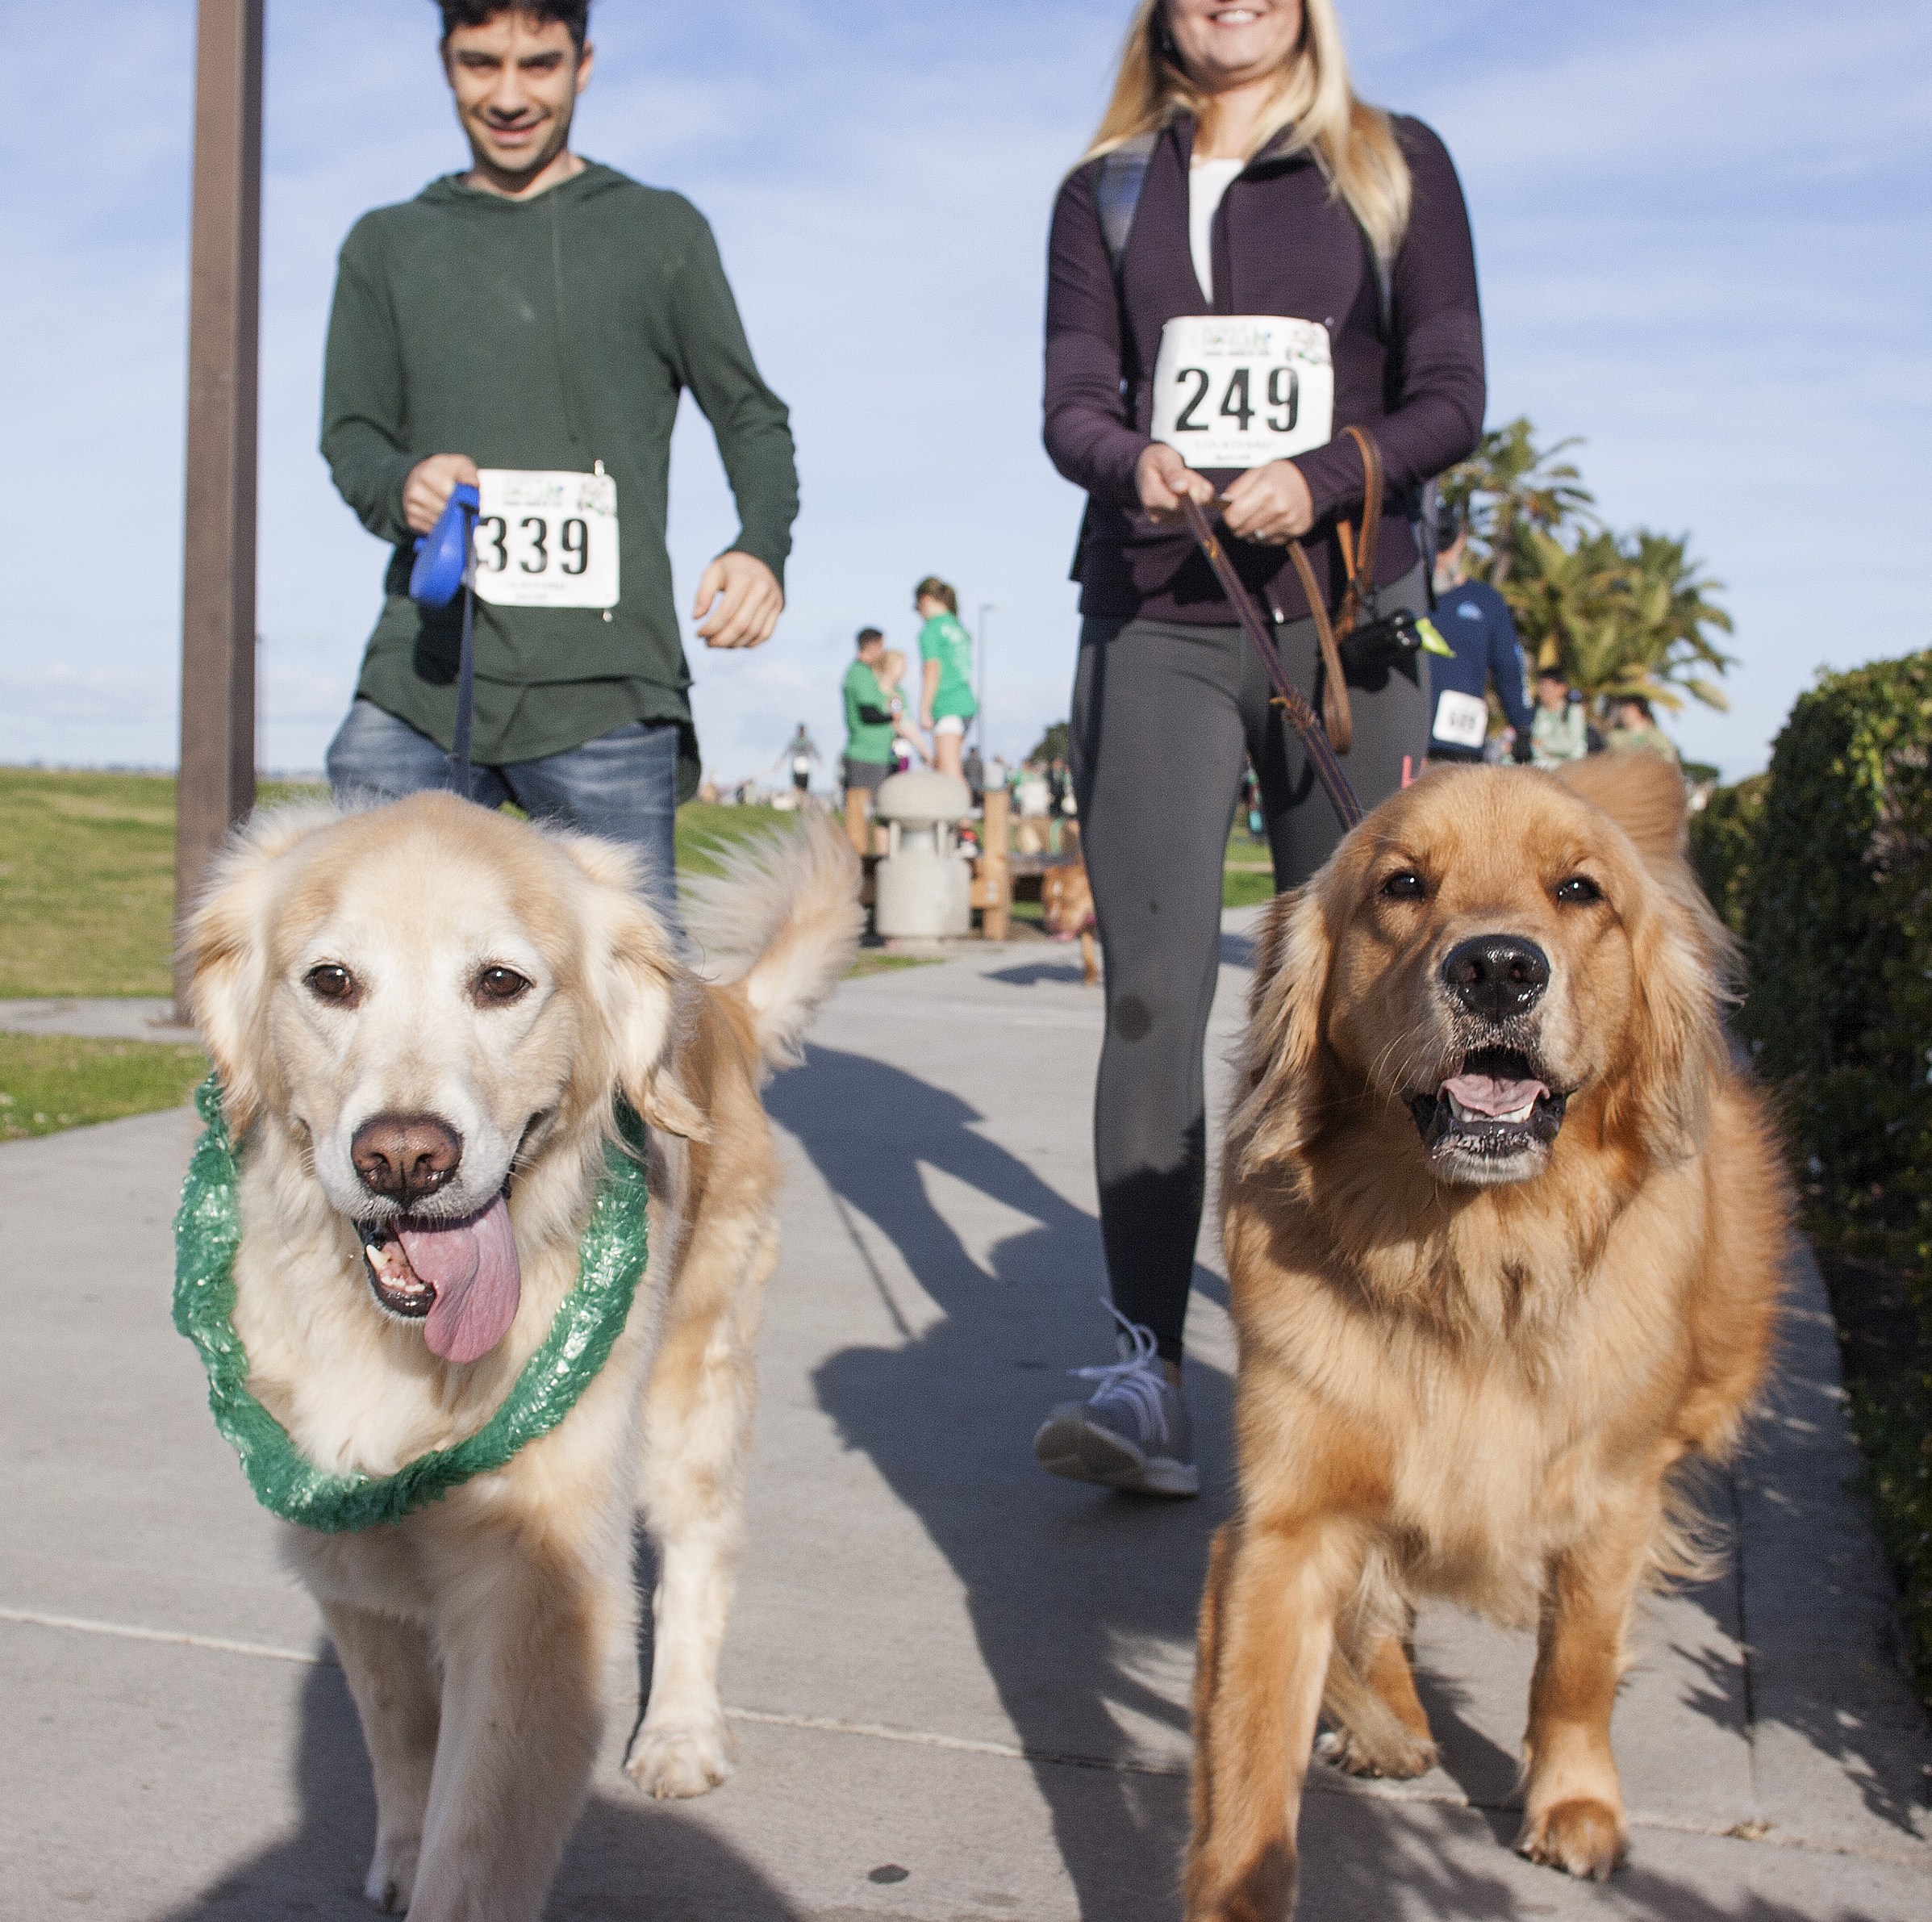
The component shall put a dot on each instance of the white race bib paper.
(1461, 719)
(546, 540)
(1241, 390)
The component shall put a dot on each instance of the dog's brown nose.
(405, 1157)
(1497, 976)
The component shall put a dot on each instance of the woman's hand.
(1270, 504)
(1165, 480)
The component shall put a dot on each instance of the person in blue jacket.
(1474, 621)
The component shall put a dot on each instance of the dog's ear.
(639, 990)
(1282, 1065)
(1678, 1048)
(225, 949)
(1643, 793)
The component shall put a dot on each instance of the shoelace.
(1136, 1378)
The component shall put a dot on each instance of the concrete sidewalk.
(961, 1687)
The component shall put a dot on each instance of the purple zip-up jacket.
(1282, 245)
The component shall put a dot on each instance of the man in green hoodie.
(527, 327)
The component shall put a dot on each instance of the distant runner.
(868, 730)
(1474, 621)
(945, 699)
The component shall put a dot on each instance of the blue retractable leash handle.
(445, 565)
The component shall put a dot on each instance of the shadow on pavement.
(1030, 974)
(626, 1858)
(1083, 1603)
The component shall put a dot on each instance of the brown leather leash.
(1331, 732)
(1301, 717)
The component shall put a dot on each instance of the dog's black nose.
(1496, 976)
(405, 1156)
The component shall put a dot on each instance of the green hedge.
(1823, 868)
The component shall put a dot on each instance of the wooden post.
(996, 869)
(216, 784)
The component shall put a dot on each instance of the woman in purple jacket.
(1249, 261)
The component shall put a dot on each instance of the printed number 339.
(534, 555)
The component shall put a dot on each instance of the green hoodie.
(549, 333)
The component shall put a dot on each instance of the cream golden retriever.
(1503, 1227)
(421, 1016)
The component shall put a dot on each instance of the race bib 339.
(1241, 390)
(546, 539)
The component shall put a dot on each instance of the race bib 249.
(1241, 390)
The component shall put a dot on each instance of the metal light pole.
(216, 784)
(987, 610)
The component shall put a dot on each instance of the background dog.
(421, 1016)
(1504, 1226)
(1066, 909)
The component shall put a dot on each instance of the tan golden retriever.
(421, 1016)
(1503, 1227)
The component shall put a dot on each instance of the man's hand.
(431, 482)
(744, 601)
(1165, 480)
(1270, 504)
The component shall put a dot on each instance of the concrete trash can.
(923, 888)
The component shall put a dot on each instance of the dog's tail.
(783, 920)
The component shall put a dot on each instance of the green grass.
(706, 828)
(1247, 872)
(48, 1082)
(87, 882)
(87, 877)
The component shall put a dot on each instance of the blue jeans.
(622, 786)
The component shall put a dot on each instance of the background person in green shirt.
(1635, 726)
(945, 696)
(543, 315)
(869, 724)
(1559, 730)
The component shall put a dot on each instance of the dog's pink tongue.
(474, 1267)
(1485, 1094)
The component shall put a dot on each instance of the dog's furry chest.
(1497, 1420)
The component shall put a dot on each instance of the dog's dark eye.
(328, 981)
(1577, 891)
(500, 984)
(1407, 886)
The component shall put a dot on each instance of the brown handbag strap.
(1338, 718)
(1358, 559)
(1362, 563)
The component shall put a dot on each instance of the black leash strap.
(1303, 719)
(465, 679)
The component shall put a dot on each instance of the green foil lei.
(207, 1232)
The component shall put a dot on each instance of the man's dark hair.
(868, 633)
(574, 14)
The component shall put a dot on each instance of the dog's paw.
(392, 1873)
(1583, 1836)
(675, 1762)
(1400, 1757)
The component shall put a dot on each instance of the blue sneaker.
(1132, 1433)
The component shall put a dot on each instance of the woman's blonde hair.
(1352, 142)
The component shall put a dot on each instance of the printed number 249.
(1284, 392)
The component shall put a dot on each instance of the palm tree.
(1621, 615)
(1508, 489)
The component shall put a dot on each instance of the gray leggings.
(1163, 716)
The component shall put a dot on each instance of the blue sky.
(1704, 236)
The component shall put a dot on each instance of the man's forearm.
(369, 471)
